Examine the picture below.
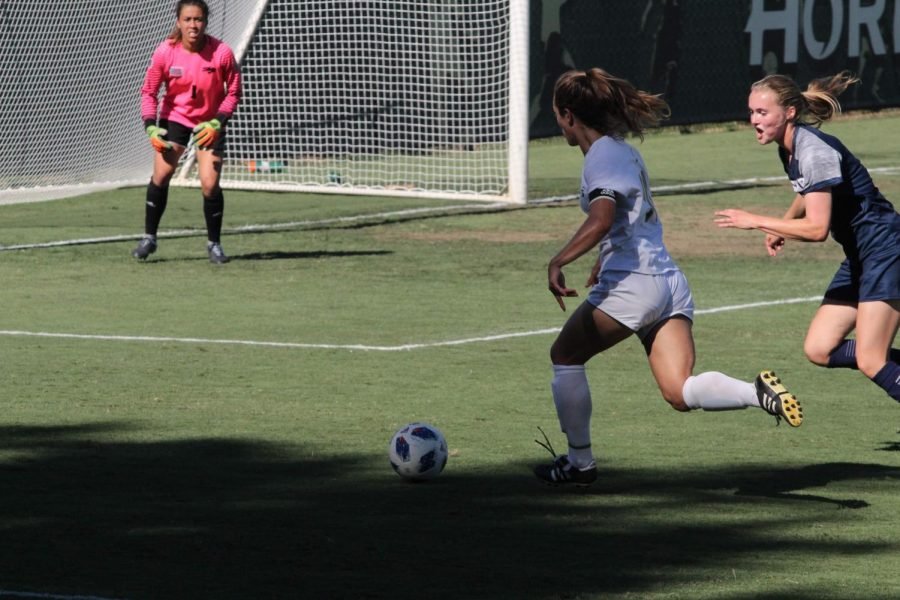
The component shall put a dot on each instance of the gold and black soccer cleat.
(774, 398)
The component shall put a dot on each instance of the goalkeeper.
(202, 89)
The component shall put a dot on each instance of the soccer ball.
(418, 451)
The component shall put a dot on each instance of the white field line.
(711, 185)
(412, 212)
(362, 347)
(176, 233)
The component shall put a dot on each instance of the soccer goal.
(424, 98)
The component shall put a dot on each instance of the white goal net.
(399, 97)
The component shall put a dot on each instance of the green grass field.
(163, 459)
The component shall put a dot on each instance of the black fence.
(702, 55)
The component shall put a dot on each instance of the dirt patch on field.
(688, 225)
(499, 237)
(696, 235)
(690, 231)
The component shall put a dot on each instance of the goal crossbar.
(417, 98)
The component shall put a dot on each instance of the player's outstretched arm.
(811, 226)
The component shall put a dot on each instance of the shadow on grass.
(275, 255)
(890, 446)
(85, 514)
(319, 254)
(788, 481)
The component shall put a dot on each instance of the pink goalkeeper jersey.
(199, 85)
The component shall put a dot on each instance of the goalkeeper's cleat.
(776, 400)
(206, 134)
(216, 254)
(159, 143)
(561, 472)
(145, 248)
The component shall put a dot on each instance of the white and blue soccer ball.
(418, 451)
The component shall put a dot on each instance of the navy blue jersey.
(863, 222)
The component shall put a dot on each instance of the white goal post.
(423, 98)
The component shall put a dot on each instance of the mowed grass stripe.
(395, 348)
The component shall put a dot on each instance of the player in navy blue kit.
(637, 289)
(835, 193)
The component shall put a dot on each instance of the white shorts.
(640, 302)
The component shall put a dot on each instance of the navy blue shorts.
(181, 134)
(874, 279)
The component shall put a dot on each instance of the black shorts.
(181, 135)
(874, 279)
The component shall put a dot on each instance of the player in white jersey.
(637, 287)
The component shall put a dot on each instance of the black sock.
(213, 208)
(157, 199)
(844, 356)
(888, 379)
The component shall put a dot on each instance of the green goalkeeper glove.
(206, 134)
(156, 138)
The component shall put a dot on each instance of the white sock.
(717, 391)
(572, 397)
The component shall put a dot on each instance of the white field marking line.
(481, 206)
(14, 594)
(363, 347)
(712, 185)
(709, 311)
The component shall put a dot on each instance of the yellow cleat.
(776, 400)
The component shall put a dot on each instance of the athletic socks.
(888, 379)
(572, 397)
(711, 391)
(157, 199)
(581, 457)
(213, 209)
(716, 391)
(844, 356)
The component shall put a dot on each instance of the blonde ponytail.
(817, 104)
(821, 96)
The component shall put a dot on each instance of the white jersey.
(614, 171)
